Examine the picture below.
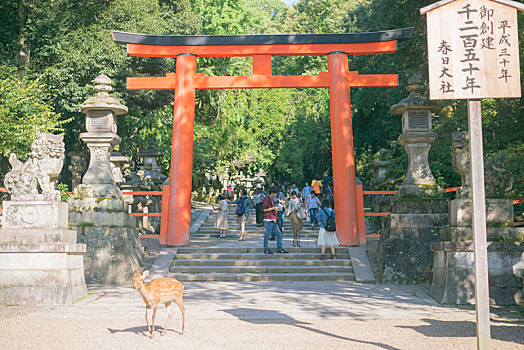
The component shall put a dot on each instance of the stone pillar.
(40, 260)
(418, 211)
(97, 208)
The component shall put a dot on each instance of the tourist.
(327, 235)
(280, 201)
(243, 211)
(293, 189)
(326, 180)
(316, 185)
(295, 214)
(230, 193)
(306, 192)
(314, 203)
(328, 194)
(221, 223)
(270, 222)
(258, 199)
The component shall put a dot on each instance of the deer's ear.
(145, 273)
(136, 271)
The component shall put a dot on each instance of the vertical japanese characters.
(473, 51)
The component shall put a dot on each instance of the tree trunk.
(23, 41)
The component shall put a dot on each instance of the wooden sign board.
(473, 50)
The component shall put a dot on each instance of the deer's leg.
(147, 321)
(178, 301)
(171, 313)
(153, 321)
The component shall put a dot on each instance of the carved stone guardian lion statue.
(40, 170)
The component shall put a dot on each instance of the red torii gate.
(186, 81)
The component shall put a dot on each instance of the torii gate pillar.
(179, 207)
(342, 149)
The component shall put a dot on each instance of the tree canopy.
(52, 51)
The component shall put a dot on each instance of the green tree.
(25, 109)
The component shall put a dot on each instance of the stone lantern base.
(99, 214)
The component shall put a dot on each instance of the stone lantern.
(149, 156)
(417, 137)
(101, 138)
(118, 163)
(97, 208)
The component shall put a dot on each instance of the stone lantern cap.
(117, 157)
(102, 100)
(415, 100)
(150, 151)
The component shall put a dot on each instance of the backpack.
(316, 186)
(241, 206)
(330, 225)
(229, 193)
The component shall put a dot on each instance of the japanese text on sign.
(473, 51)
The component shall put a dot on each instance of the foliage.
(25, 109)
(61, 46)
(64, 192)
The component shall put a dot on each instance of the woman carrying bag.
(327, 235)
(221, 223)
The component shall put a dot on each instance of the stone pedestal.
(31, 214)
(404, 253)
(99, 214)
(40, 260)
(453, 268)
(499, 212)
(454, 275)
(453, 271)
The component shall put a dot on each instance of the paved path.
(261, 315)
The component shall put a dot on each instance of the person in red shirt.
(270, 222)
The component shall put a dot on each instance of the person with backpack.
(327, 234)
(258, 199)
(316, 185)
(328, 194)
(243, 211)
(230, 194)
(313, 205)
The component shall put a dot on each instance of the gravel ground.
(259, 315)
(107, 333)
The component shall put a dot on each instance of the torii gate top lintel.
(147, 45)
(338, 79)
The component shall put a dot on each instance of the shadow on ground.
(460, 329)
(141, 330)
(276, 317)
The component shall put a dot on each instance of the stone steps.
(229, 256)
(251, 277)
(249, 235)
(256, 250)
(251, 264)
(266, 262)
(241, 263)
(258, 269)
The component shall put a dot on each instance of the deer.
(162, 290)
